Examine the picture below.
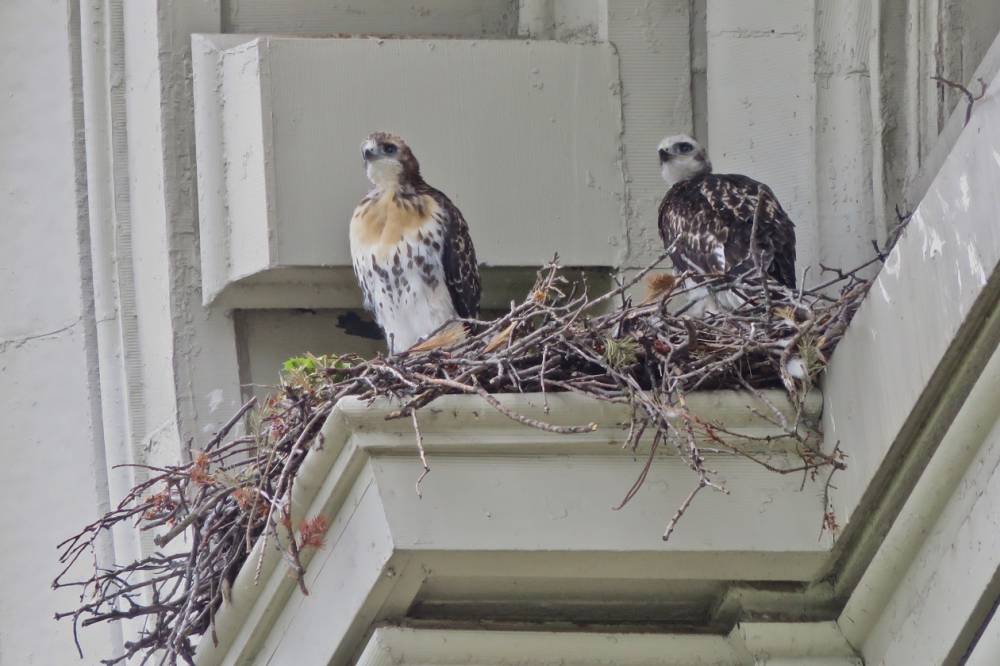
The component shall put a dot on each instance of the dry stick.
(757, 251)
(829, 519)
(293, 546)
(636, 428)
(258, 493)
(541, 380)
(635, 280)
(224, 430)
(682, 509)
(500, 407)
(280, 491)
(728, 447)
(193, 579)
(162, 540)
(642, 475)
(420, 450)
(970, 99)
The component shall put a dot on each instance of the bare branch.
(970, 98)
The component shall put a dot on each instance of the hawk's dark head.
(389, 162)
(681, 157)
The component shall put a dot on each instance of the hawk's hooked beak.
(367, 150)
(367, 154)
(664, 155)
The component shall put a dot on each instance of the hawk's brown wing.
(709, 220)
(458, 257)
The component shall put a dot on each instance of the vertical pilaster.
(653, 43)
(186, 356)
(762, 100)
(846, 214)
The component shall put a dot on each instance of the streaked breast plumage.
(411, 249)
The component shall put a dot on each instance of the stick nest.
(235, 491)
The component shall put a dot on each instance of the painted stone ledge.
(516, 523)
(750, 644)
(917, 344)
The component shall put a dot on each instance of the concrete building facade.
(177, 180)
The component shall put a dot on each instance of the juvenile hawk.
(411, 249)
(709, 217)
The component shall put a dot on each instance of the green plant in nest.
(308, 371)
(812, 357)
(620, 353)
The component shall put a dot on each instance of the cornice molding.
(508, 515)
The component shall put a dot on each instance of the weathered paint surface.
(750, 644)
(291, 146)
(934, 277)
(917, 498)
(929, 587)
(760, 124)
(523, 530)
(459, 18)
(53, 478)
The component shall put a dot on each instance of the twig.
(224, 430)
(970, 99)
(682, 509)
(500, 407)
(757, 252)
(203, 508)
(420, 450)
(642, 475)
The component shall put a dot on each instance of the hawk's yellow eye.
(389, 149)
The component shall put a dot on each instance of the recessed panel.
(523, 136)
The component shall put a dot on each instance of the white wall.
(935, 577)
(486, 18)
(50, 433)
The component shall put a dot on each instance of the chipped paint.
(936, 244)
(975, 265)
(963, 185)
(18, 342)
(215, 399)
(893, 262)
(945, 206)
(881, 288)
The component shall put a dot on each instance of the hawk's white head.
(389, 162)
(681, 157)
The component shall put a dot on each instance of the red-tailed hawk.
(411, 249)
(707, 218)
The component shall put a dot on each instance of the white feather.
(706, 301)
(796, 368)
(421, 303)
(682, 166)
(384, 173)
